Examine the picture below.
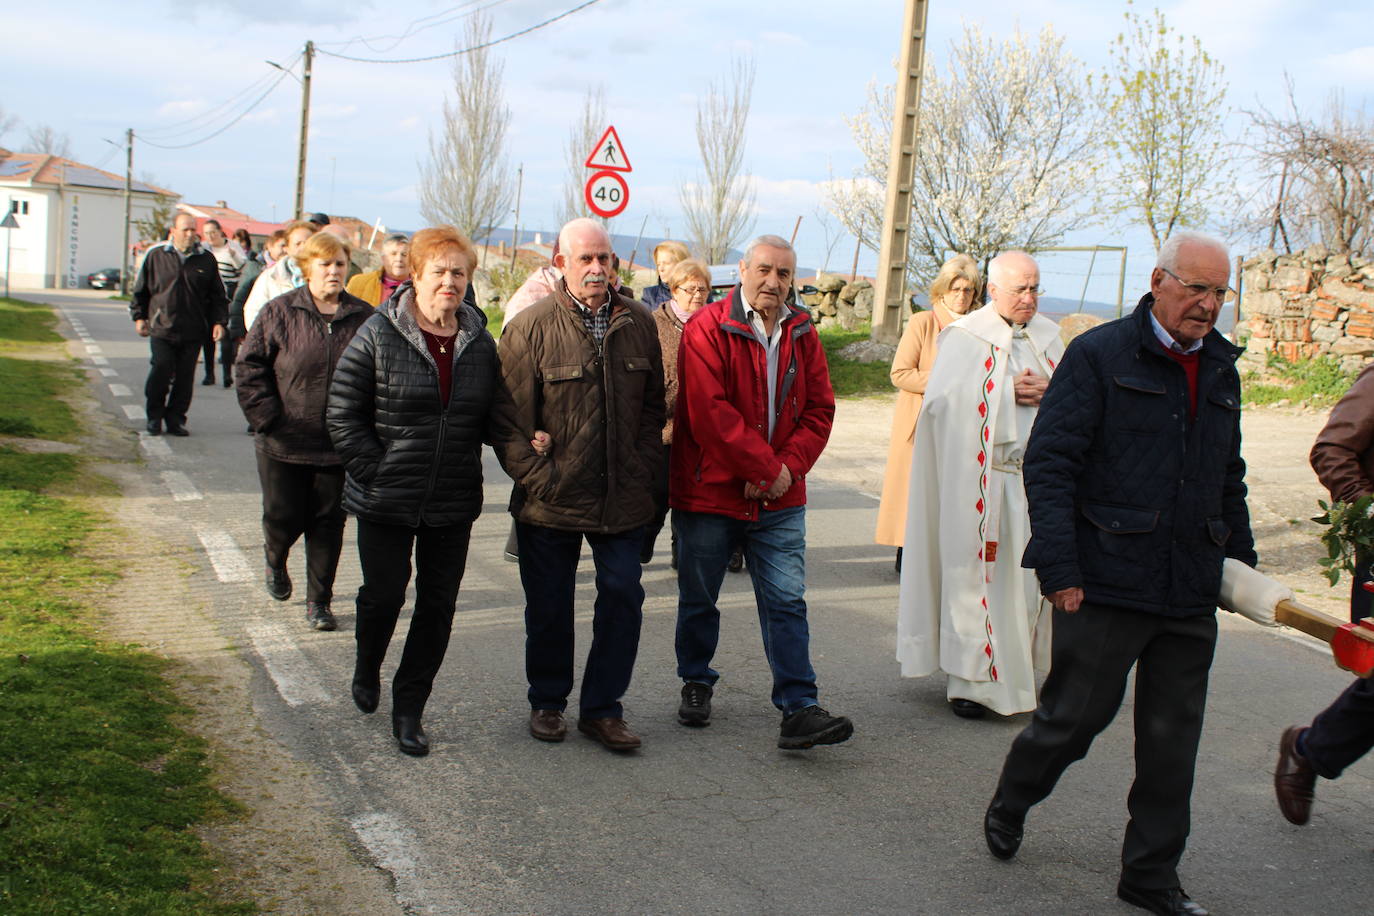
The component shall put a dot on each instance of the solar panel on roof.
(11, 167)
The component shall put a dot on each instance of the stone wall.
(1310, 303)
(839, 303)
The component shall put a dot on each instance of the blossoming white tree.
(1007, 147)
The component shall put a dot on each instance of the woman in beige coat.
(951, 295)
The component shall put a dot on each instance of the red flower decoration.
(979, 507)
(982, 409)
(982, 456)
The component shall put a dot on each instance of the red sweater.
(1189, 363)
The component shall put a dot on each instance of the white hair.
(574, 226)
(998, 266)
(1168, 252)
(767, 241)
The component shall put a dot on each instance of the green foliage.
(1316, 382)
(158, 222)
(1349, 536)
(1165, 99)
(848, 377)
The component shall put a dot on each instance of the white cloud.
(181, 108)
(784, 38)
(1354, 65)
(409, 123)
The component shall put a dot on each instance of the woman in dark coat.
(407, 414)
(284, 369)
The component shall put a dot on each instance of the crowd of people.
(1058, 513)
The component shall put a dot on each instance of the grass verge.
(1318, 382)
(851, 378)
(101, 787)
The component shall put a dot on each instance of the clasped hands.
(1029, 388)
(779, 487)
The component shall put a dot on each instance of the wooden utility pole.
(128, 209)
(305, 129)
(889, 298)
(515, 235)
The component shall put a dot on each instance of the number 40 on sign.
(606, 193)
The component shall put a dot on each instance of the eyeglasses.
(1033, 291)
(693, 291)
(1200, 289)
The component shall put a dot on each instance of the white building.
(71, 218)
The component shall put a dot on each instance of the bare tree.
(582, 136)
(467, 180)
(1007, 147)
(1320, 175)
(8, 122)
(831, 232)
(1166, 101)
(719, 209)
(44, 138)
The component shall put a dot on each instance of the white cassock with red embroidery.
(966, 607)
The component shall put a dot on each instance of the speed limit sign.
(606, 193)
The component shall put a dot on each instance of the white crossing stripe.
(107, 372)
(120, 391)
(134, 411)
(391, 844)
(295, 676)
(231, 565)
(99, 361)
(154, 446)
(183, 490)
(92, 348)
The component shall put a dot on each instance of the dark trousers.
(303, 499)
(384, 552)
(1343, 732)
(548, 571)
(1094, 650)
(226, 346)
(660, 506)
(228, 350)
(172, 367)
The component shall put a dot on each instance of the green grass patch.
(24, 323)
(101, 784)
(1317, 382)
(32, 406)
(851, 378)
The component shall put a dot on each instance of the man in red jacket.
(754, 411)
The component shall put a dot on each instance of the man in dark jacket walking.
(177, 298)
(753, 414)
(577, 424)
(1136, 488)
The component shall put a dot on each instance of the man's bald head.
(1014, 286)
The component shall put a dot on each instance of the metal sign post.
(9, 223)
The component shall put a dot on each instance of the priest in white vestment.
(966, 606)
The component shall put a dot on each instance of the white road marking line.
(231, 565)
(107, 372)
(99, 361)
(120, 391)
(183, 490)
(154, 446)
(92, 348)
(295, 676)
(390, 844)
(134, 411)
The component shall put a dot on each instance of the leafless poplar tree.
(719, 209)
(8, 122)
(467, 179)
(582, 135)
(1320, 174)
(1007, 146)
(44, 138)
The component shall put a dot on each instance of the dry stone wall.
(1307, 304)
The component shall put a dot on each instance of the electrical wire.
(485, 44)
(414, 28)
(169, 131)
(243, 114)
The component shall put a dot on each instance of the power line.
(243, 114)
(414, 28)
(487, 44)
(168, 131)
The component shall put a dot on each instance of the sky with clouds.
(91, 71)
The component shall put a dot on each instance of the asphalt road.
(718, 820)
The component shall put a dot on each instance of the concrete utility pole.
(305, 129)
(515, 235)
(889, 298)
(128, 209)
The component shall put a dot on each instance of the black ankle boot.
(410, 737)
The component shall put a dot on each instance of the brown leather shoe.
(613, 733)
(547, 724)
(1294, 779)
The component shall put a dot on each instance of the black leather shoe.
(318, 616)
(967, 709)
(176, 429)
(736, 560)
(228, 383)
(154, 427)
(410, 737)
(366, 695)
(695, 708)
(1002, 829)
(208, 380)
(278, 583)
(1169, 901)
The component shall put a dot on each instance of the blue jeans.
(548, 571)
(775, 549)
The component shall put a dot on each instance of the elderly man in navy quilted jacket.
(1136, 489)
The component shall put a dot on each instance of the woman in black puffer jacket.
(408, 414)
(283, 370)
